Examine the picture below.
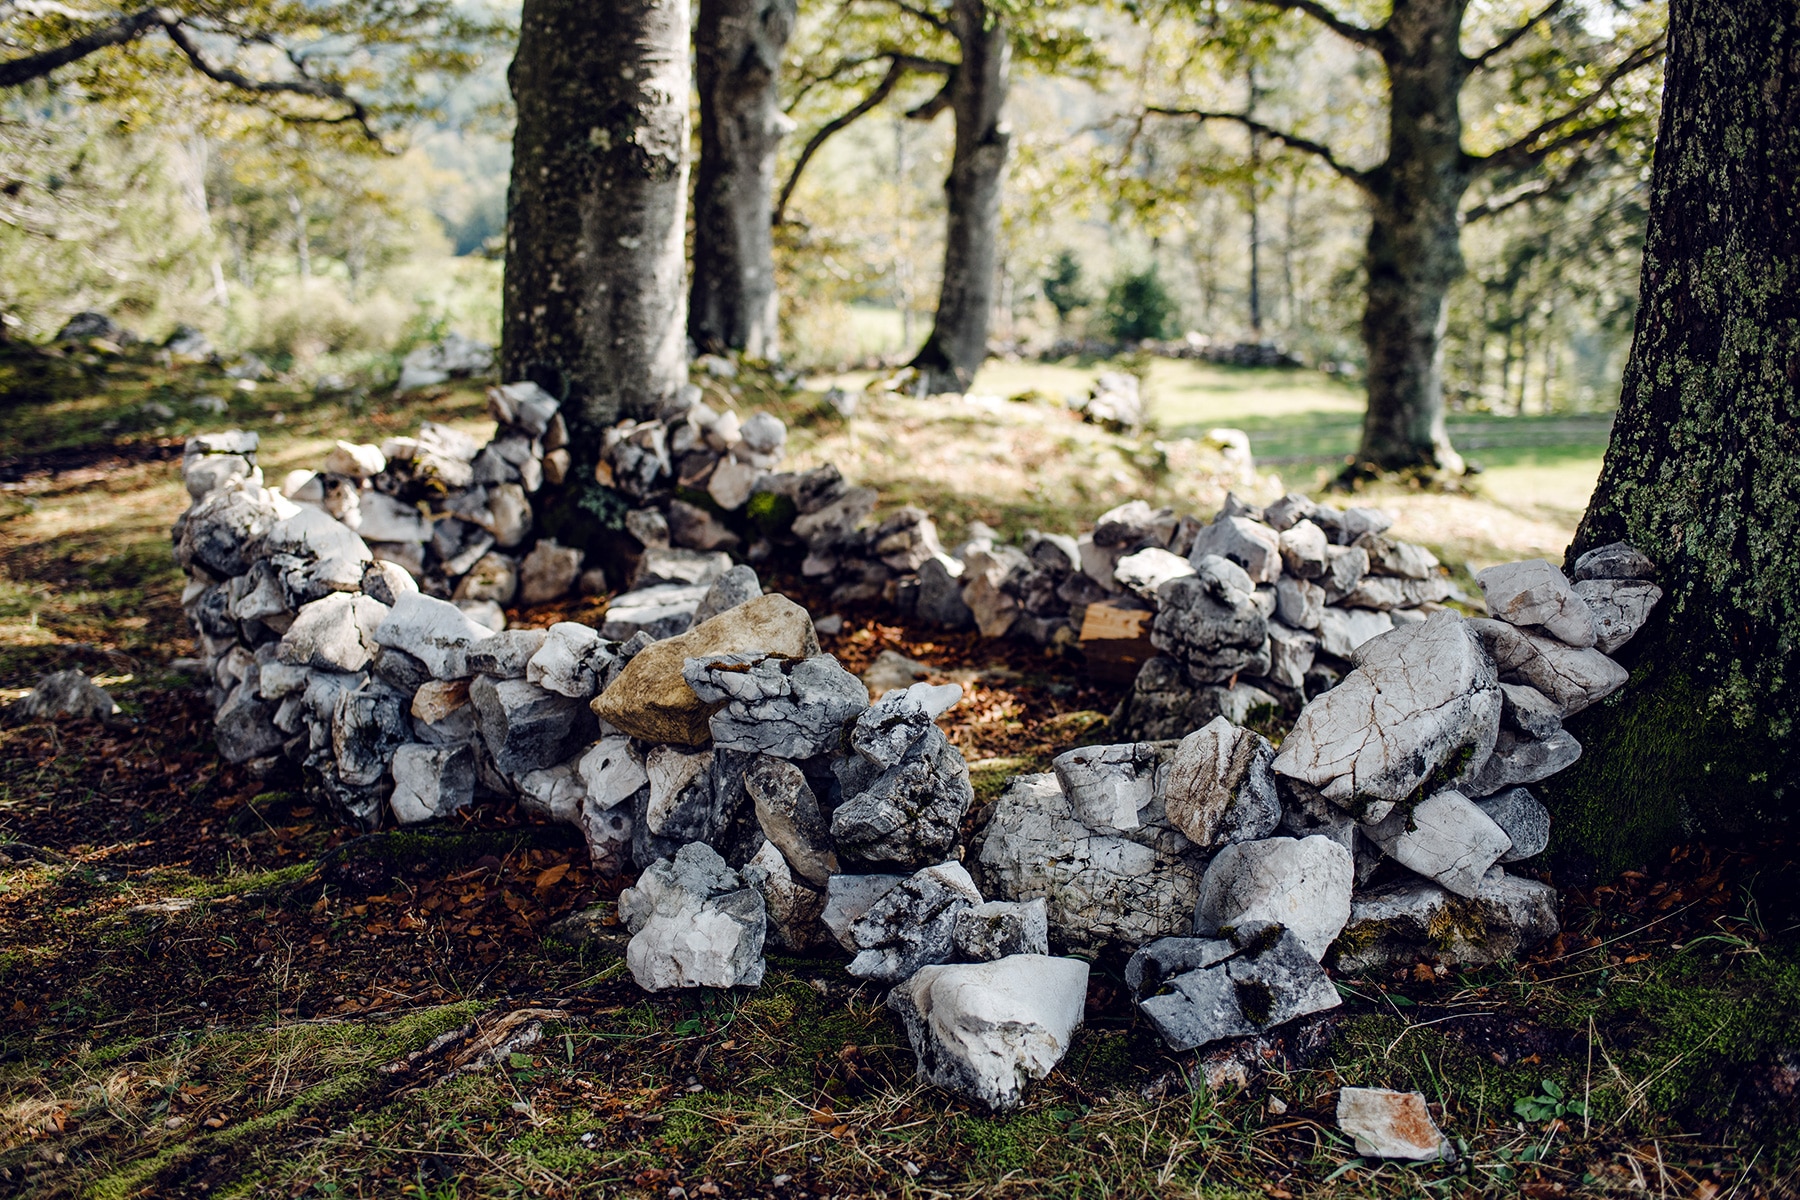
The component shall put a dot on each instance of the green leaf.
(519, 1061)
(1553, 1089)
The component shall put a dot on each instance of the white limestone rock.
(435, 632)
(335, 633)
(739, 585)
(1621, 607)
(848, 897)
(793, 906)
(1534, 593)
(1218, 786)
(1291, 655)
(1444, 837)
(791, 818)
(1402, 559)
(1250, 544)
(1303, 550)
(913, 924)
(770, 704)
(662, 611)
(1001, 928)
(694, 923)
(527, 728)
(1303, 884)
(572, 661)
(612, 772)
(985, 1030)
(431, 781)
(1148, 569)
(1572, 678)
(1099, 886)
(1107, 785)
(1385, 1124)
(1369, 742)
(1343, 630)
(1213, 622)
(1301, 604)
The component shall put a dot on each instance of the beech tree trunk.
(958, 342)
(594, 305)
(1703, 470)
(738, 45)
(1413, 253)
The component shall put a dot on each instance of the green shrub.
(1138, 306)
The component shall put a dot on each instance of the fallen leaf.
(549, 875)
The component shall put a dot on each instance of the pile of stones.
(765, 799)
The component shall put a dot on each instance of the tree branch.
(1373, 39)
(899, 66)
(1521, 153)
(1512, 39)
(1524, 194)
(317, 89)
(1293, 142)
(930, 18)
(22, 70)
(939, 101)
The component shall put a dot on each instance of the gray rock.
(1218, 786)
(1268, 980)
(1534, 593)
(906, 540)
(1615, 560)
(1369, 742)
(773, 705)
(913, 924)
(612, 773)
(662, 611)
(1525, 822)
(1250, 544)
(494, 578)
(1342, 631)
(555, 794)
(907, 813)
(1344, 568)
(793, 907)
(431, 781)
(69, 693)
(1572, 678)
(1303, 550)
(790, 817)
(527, 728)
(209, 472)
(1291, 655)
(940, 593)
(985, 1030)
(694, 923)
(651, 529)
(1132, 525)
(1387, 593)
(548, 572)
(505, 655)
(368, 725)
(1099, 886)
(572, 661)
(336, 633)
(666, 564)
(894, 724)
(848, 897)
(1621, 607)
(987, 572)
(382, 518)
(1211, 624)
(1402, 559)
(1445, 838)
(1164, 704)
(1521, 759)
(1526, 710)
(737, 586)
(1400, 924)
(1385, 1124)
(386, 582)
(434, 632)
(1303, 884)
(1154, 963)
(1300, 603)
(1001, 928)
(1148, 569)
(244, 726)
(1107, 785)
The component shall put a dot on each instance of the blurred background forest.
(128, 187)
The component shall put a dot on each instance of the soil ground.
(208, 987)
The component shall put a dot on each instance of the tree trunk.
(594, 307)
(958, 341)
(738, 45)
(1703, 470)
(1413, 253)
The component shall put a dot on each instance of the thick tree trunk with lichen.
(593, 305)
(1413, 250)
(1703, 471)
(958, 342)
(738, 46)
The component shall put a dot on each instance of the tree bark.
(1703, 470)
(738, 46)
(594, 305)
(958, 341)
(1413, 253)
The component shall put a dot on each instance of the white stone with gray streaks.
(1100, 886)
(527, 728)
(1572, 678)
(985, 1030)
(793, 905)
(1212, 622)
(1444, 837)
(913, 924)
(1521, 759)
(662, 611)
(1303, 550)
(1107, 785)
(1374, 738)
(435, 632)
(1621, 607)
(573, 661)
(908, 813)
(1291, 655)
(1342, 631)
(694, 923)
(736, 586)
(431, 781)
(1528, 711)
(1218, 786)
(1148, 569)
(335, 633)
(612, 772)
(1262, 977)
(1399, 924)
(1534, 593)
(1300, 603)
(1250, 544)
(1000, 928)
(774, 705)
(1301, 883)
(848, 897)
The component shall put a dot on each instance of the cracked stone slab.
(1521, 759)
(1572, 678)
(1621, 607)
(1425, 707)
(572, 661)
(335, 633)
(1218, 786)
(778, 706)
(1099, 886)
(1402, 923)
(913, 924)
(986, 1030)
(1301, 883)
(694, 923)
(1001, 928)
(1534, 593)
(1444, 837)
(1107, 785)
